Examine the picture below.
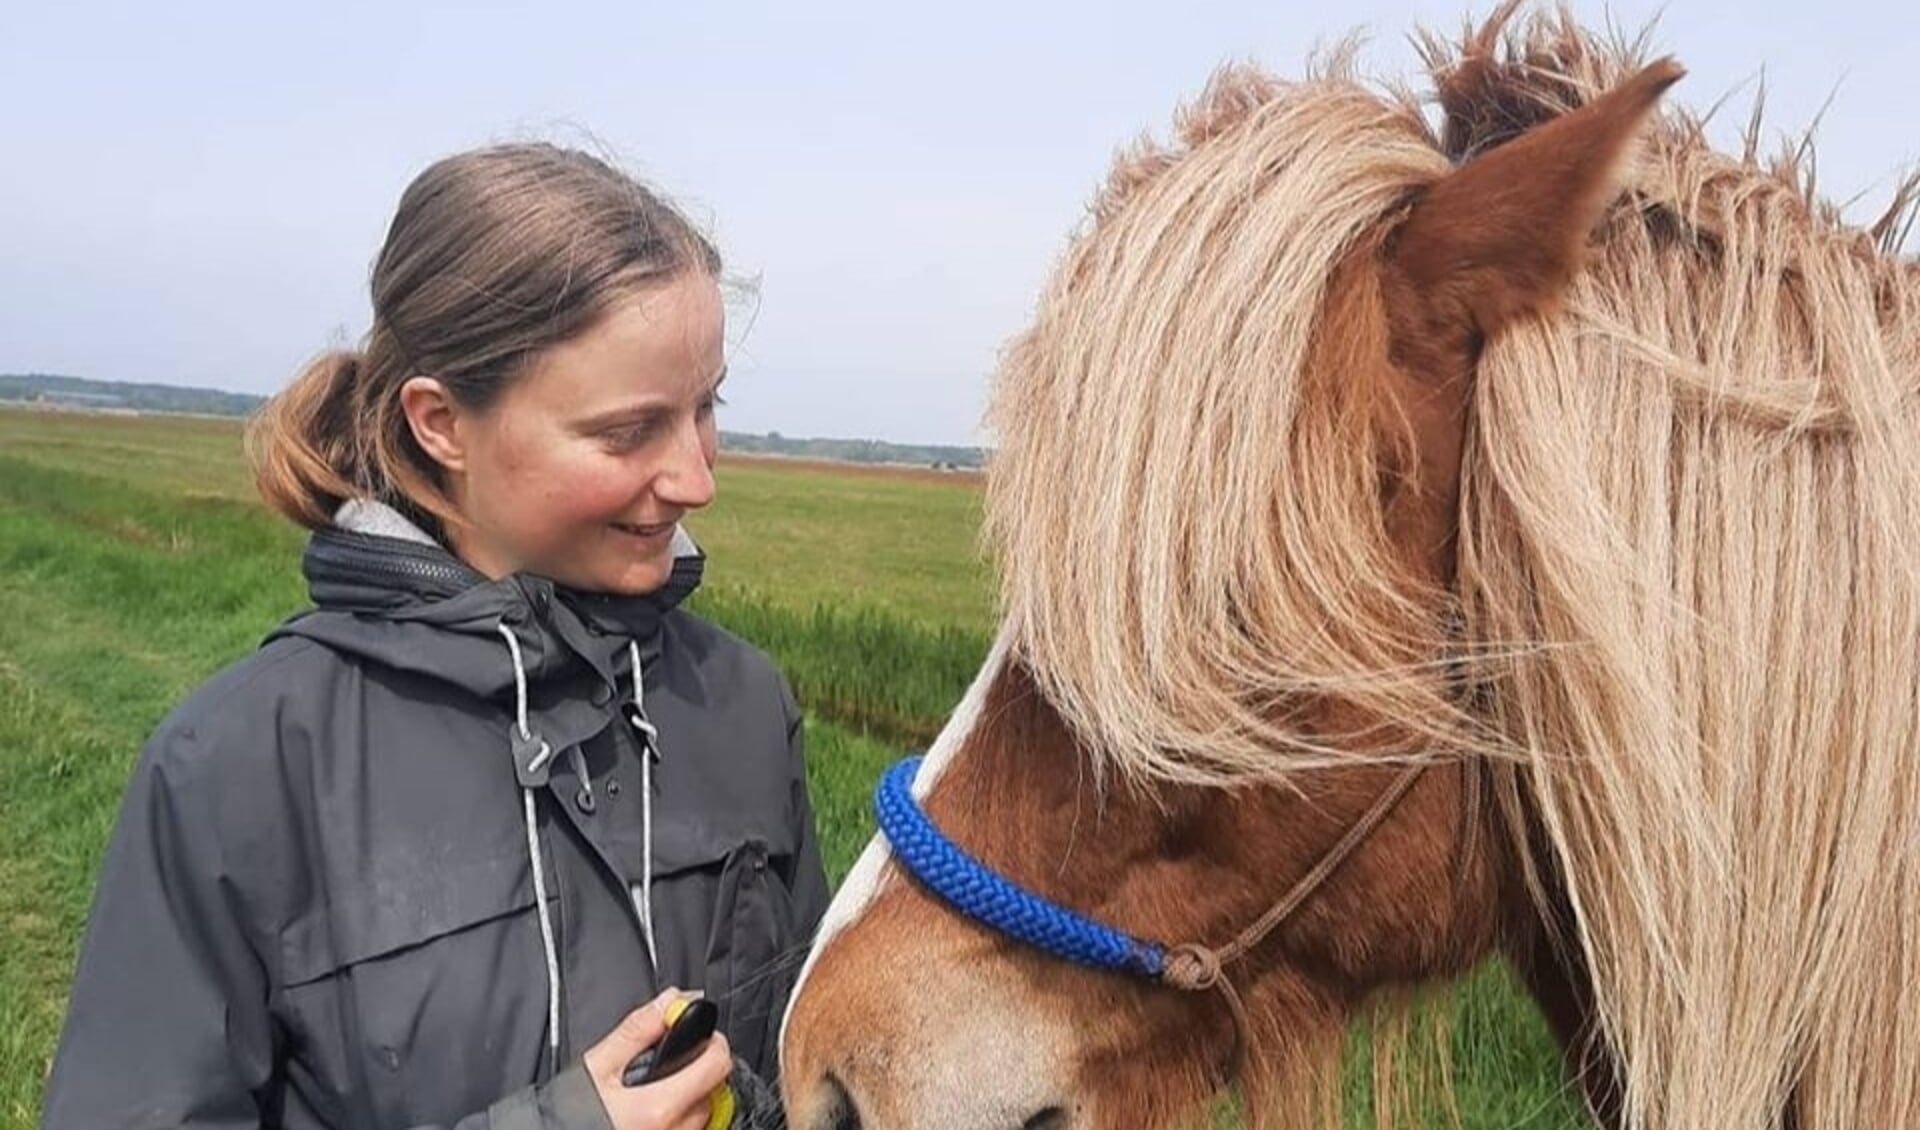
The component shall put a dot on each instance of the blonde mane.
(1689, 582)
(1182, 536)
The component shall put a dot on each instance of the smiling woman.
(445, 849)
(584, 467)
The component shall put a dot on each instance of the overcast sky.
(192, 193)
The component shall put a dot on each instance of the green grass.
(805, 537)
(798, 536)
(134, 562)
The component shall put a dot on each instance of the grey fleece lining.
(365, 516)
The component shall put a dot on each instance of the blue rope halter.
(980, 893)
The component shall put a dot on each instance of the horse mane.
(1142, 425)
(1686, 615)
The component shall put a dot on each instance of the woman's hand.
(678, 1102)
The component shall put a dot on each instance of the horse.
(1425, 537)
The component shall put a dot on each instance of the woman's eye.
(626, 439)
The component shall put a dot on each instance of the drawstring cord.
(535, 766)
(649, 749)
(534, 770)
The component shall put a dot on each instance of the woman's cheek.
(597, 488)
(545, 504)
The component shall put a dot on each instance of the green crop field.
(134, 561)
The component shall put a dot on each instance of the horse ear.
(1502, 236)
(1497, 239)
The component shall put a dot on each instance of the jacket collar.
(386, 592)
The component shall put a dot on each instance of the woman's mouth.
(646, 531)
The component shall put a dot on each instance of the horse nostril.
(1052, 1118)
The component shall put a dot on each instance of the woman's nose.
(686, 480)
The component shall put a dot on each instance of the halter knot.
(1192, 968)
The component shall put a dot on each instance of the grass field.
(134, 562)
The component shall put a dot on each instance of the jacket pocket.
(753, 938)
(725, 921)
(395, 995)
(383, 917)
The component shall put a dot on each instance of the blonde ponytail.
(303, 443)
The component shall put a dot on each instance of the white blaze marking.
(870, 874)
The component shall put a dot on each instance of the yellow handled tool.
(691, 1022)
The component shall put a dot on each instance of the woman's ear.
(435, 418)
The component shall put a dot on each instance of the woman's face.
(581, 470)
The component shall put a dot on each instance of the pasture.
(134, 561)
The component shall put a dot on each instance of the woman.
(422, 859)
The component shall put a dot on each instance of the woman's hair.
(493, 256)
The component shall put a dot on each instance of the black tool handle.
(686, 1038)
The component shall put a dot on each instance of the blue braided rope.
(978, 892)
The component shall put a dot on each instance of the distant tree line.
(85, 393)
(855, 450)
(82, 392)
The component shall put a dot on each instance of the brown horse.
(1421, 545)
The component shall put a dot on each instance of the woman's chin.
(617, 564)
(634, 576)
